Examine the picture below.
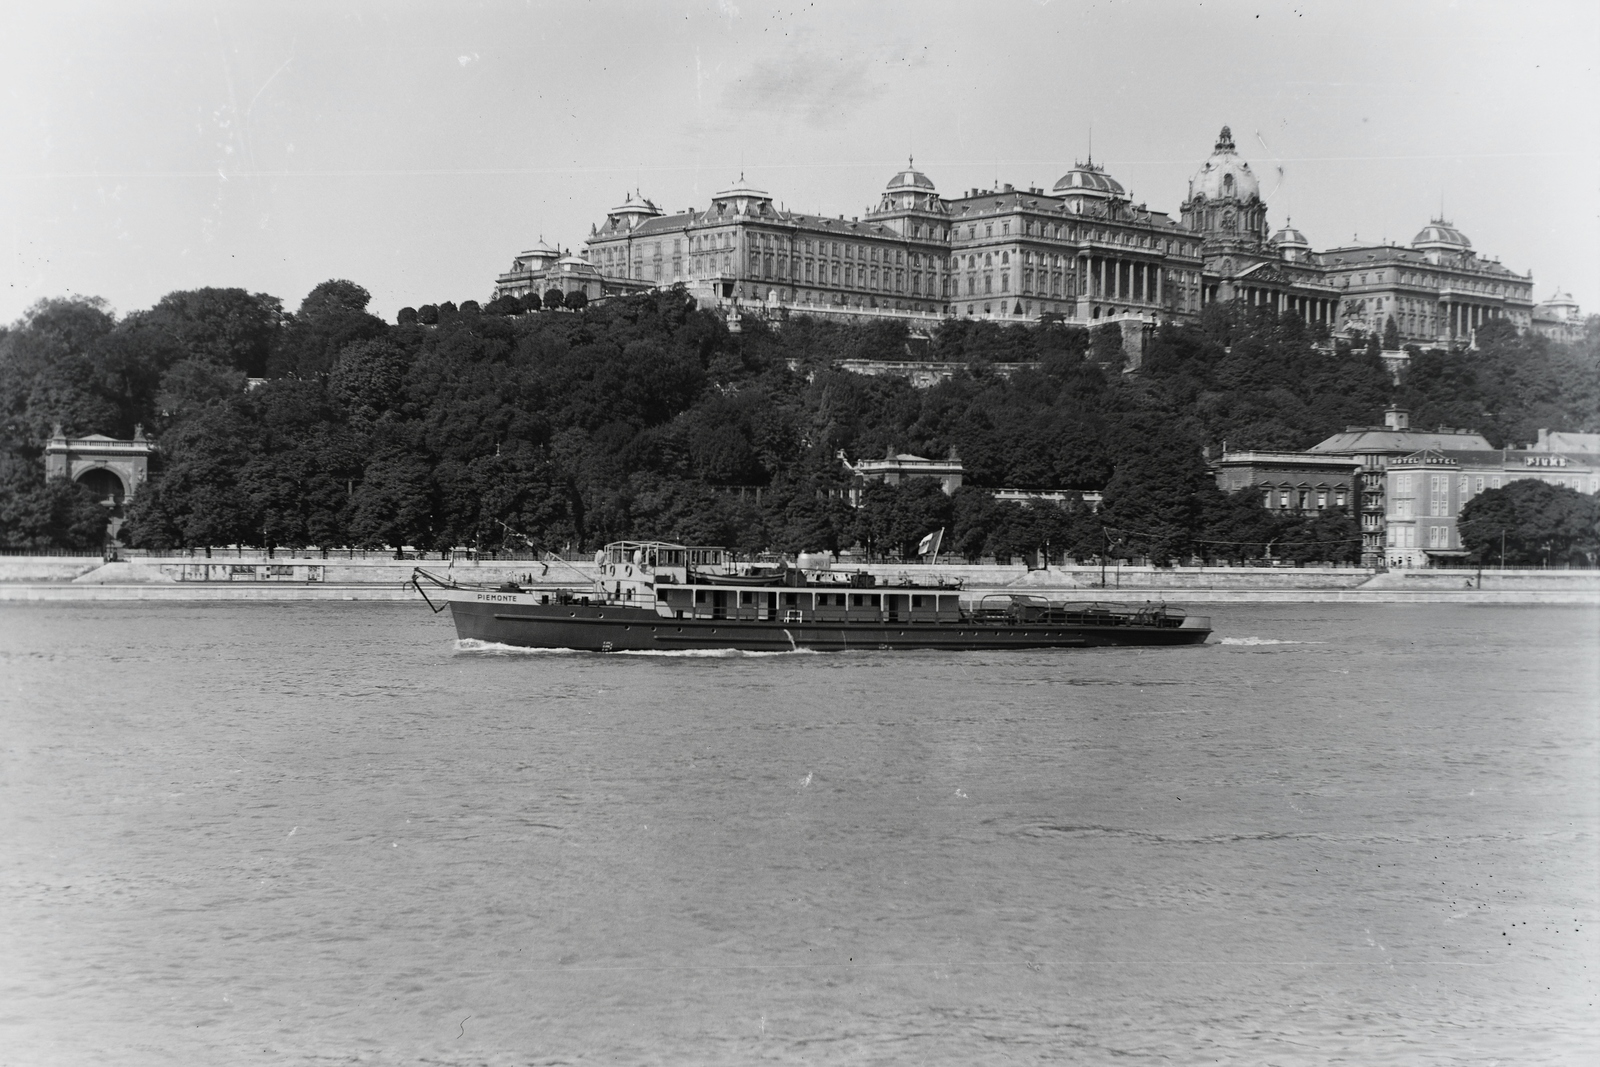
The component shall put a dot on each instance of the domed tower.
(910, 204)
(1439, 241)
(1089, 190)
(1291, 243)
(1224, 203)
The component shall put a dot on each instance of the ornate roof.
(543, 248)
(743, 188)
(910, 178)
(630, 206)
(1440, 234)
(1090, 180)
(1289, 237)
(1225, 176)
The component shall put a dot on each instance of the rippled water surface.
(323, 833)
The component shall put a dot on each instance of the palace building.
(1082, 252)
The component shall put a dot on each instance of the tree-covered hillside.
(645, 417)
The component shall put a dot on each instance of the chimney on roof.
(1397, 419)
(1009, 189)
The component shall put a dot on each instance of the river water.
(323, 833)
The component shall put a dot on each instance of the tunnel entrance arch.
(114, 469)
(104, 483)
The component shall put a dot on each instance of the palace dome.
(910, 178)
(1225, 176)
(1289, 237)
(1090, 180)
(1440, 234)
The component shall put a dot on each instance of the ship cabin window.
(916, 602)
(746, 598)
(699, 596)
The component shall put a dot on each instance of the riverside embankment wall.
(255, 577)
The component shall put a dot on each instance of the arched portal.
(105, 484)
(113, 469)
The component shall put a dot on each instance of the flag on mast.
(929, 546)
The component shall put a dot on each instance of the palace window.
(1005, 281)
(988, 229)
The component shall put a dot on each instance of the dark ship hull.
(519, 619)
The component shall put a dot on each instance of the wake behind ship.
(655, 596)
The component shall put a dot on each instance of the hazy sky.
(416, 147)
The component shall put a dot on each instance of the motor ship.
(656, 596)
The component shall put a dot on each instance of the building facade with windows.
(1426, 491)
(1345, 472)
(1291, 481)
(746, 249)
(1438, 290)
(1082, 252)
(542, 268)
(1374, 448)
(1559, 318)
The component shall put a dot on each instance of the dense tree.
(892, 519)
(553, 299)
(331, 316)
(407, 316)
(1391, 335)
(231, 328)
(38, 514)
(576, 300)
(645, 416)
(1534, 523)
